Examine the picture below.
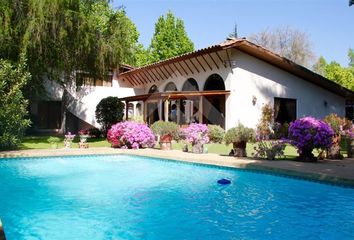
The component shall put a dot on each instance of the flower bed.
(130, 135)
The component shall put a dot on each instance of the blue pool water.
(126, 197)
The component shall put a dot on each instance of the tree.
(170, 39)
(59, 37)
(287, 42)
(109, 111)
(344, 76)
(13, 111)
(234, 34)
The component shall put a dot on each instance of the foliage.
(196, 133)
(280, 130)
(269, 149)
(240, 133)
(335, 122)
(308, 133)
(109, 111)
(264, 127)
(58, 37)
(53, 140)
(343, 76)
(165, 128)
(94, 133)
(13, 106)
(130, 135)
(288, 42)
(170, 38)
(216, 133)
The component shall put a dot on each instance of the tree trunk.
(350, 147)
(307, 156)
(240, 149)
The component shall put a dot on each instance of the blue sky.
(329, 23)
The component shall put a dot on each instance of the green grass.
(41, 142)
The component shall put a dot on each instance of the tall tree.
(288, 42)
(170, 38)
(334, 71)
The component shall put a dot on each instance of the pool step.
(2, 233)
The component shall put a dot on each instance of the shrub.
(335, 122)
(216, 133)
(309, 133)
(269, 149)
(109, 111)
(196, 133)
(280, 130)
(13, 106)
(265, 125)
(94, 133)
(240, 133)
(130, 135)
(53, 140)
(166, 128)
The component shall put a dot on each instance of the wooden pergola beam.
(183, 68)
(174, 72)
(185, 62)
(195, 67)
(211, 69)
(221, 60)
(217, 66)
(177, 69)
(200, 64)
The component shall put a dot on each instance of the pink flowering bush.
(130, 135)
(309, 133)
(196, 133)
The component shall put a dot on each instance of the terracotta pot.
(165, 142)
(240, 149)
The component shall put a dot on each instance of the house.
(222, 84)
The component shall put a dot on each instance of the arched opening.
(153, 89)
(170, 87)
(188, 106)
(152, 107)
(214, 82)
(190, 85)
(214, 107)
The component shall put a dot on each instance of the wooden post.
(126, 110)
(179, 110)
(166, 110)
(201, 109)
(145, 111)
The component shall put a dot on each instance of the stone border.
(340, 172)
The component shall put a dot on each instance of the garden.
(305, 139)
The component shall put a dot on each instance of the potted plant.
(197, 135)
(239, 136)
(68, 140)
(216, 133)
(54, 141)
(166, 132)
(307, 134)
(84, 135)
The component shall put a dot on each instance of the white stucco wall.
(253, 77)
(84, 101)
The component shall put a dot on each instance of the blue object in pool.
(224, 181)
(129, 197)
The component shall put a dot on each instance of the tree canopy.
(334, 71)
(170, 38)
(287, 42)
(60, 36)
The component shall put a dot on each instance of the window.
(190, 85)
(153, 89)
(284, 110)
(214, 82)
(170, 87)
(85, 79)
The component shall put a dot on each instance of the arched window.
(214, 82)
(153, 89)
(190, 85)
(170, 87)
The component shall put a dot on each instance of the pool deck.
(331, 171)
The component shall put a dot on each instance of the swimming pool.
(129, 197)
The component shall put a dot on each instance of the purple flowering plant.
(196, 133)
(130, 134)
(309, 133)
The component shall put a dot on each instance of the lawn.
(41, 142)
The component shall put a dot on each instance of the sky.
(328, 23)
